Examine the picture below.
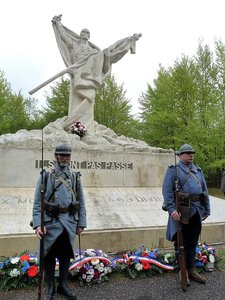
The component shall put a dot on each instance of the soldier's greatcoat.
(191, 181)
(62, 196)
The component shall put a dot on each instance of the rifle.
(69, 70)
(180, 240)
(41, 258)
(34, 90)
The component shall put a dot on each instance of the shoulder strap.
(197, 179)
(185, 180)
(63, 181)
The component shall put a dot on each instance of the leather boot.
(196, 276)
(63, 289)
(50, 291)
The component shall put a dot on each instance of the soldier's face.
(187, 158)
(63, 159)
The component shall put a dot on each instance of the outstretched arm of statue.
(135, 38)
(56, 21)
(106, 63)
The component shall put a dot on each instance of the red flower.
(146, 265)
(96, 274)
(32, 272)
(24, 257)
(145, 254)
(204, 259)
(83, 270)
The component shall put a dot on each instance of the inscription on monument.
(95, 165)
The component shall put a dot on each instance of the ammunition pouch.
(203, 197)
(52, 209)
(73, 208)
(183, 206)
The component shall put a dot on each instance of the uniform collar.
(186, 168)
(58, 170)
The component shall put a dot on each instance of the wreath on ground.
(95, 266)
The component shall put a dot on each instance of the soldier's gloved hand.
(175, 215)
(39, 233)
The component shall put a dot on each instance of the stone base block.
(113, 240)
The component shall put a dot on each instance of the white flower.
(90, 271)
(168, 255)
(14, 260)
(138, 267)
(14, 273)
(101, 269)
(211, 258)
(88, 279)
(90, 252)
(84, 276)
(109, 270)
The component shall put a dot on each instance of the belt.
(63, 210)
(194, 198)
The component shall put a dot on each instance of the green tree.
(57, 102)
(112, 108)
(186, 104)
(13, 115)
(167, 108)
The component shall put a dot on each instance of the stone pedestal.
(122, 181)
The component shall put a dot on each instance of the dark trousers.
(62, 250)
(191, 233)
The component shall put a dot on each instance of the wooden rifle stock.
(42, 245)
(180, 240)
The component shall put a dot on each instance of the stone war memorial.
(122, 176)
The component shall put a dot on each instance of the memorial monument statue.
(88, 65)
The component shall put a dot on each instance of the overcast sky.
(29, 54)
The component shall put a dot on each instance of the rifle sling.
(53, 192)
(68, 186)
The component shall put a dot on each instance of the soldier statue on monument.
(88, 66)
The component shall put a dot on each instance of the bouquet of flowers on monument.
(18, 272)
(78, 128)
(90, 266)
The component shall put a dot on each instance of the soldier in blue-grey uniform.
(192, 184)
(64, 217)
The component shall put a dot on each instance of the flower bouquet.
(90, 266)
(205, 257)
(78, 128)
(142, 261)
(18, 272)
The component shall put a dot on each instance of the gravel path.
(162, 287)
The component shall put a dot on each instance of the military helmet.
(185, 148)
(63, 149)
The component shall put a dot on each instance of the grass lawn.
(216, 193)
